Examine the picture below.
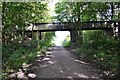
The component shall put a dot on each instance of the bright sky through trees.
(60, 35)
(51, 7)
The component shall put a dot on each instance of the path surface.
(63, 64)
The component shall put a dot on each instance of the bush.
(14, 55)
(101, 48)
(66, 42)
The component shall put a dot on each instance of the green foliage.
(66, 42)
(16, 16)
(68, 11)
(48, 37)
(17, 48)
(15, 54)
(101, 48)
(14, 57)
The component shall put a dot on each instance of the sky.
(51, 6)
(60, 35)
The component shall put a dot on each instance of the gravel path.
(60, 63)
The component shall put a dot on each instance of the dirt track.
(63, 64)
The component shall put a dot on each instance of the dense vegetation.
(66, 42)
(19, 46)
(83, 12)
(101, 49)
(95, 45)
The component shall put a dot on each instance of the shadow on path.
(60, 63)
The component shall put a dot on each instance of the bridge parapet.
(97, 24)
(71, 25)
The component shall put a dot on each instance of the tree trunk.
(3, 12)
(32, 35)
(79, 37)
(118, 71)
(112, 11)
(119, 30)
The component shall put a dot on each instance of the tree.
(16, 16)
(83, 11)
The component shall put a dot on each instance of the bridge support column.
(37, 38)
(73, 35)
(79, 38)
(108, 32)
(40, 35)
(37, 35)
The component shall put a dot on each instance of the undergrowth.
(102, 49)
(15, 54)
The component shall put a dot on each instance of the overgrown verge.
(20, 44)
(103, 50)
(17, 54)
(66, 42)
(14, 55)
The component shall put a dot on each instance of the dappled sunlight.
(61, 71)
(49, 56)
(50, 49)
(45, 56)
(38, 55)
(82, 76)
(60, 68)
(43, 66)
(94, 77)
(89, 30)
(38, 60)
(31, 75)
(24, 65)
(110, 73)
(50, 62)
(82, 62)
(69, 77)
(38, 52)
(22, 75)
(46, 59)
(48, 53)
